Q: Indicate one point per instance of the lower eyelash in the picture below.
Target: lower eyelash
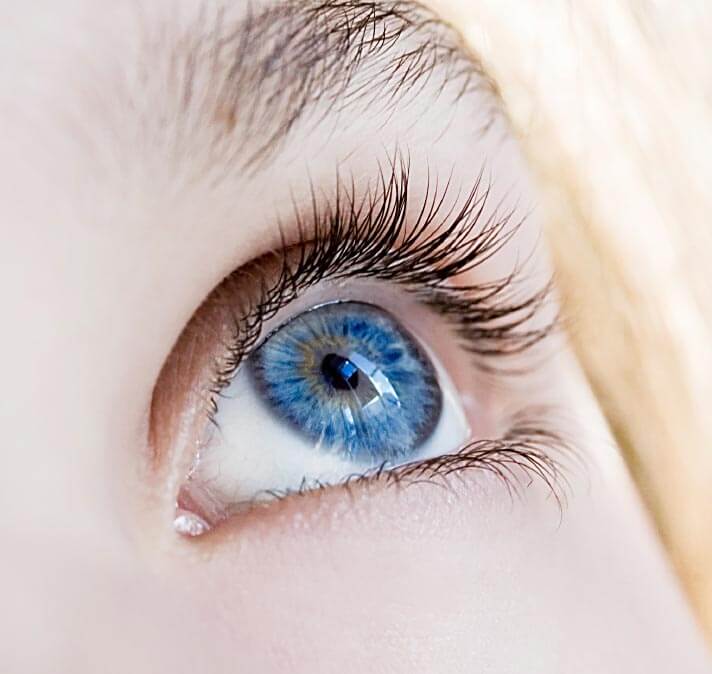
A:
(528, 452)
(524, 455)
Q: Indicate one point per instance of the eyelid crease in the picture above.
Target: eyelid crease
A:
(371, 238)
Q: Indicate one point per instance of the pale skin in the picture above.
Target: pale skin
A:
(114, 232)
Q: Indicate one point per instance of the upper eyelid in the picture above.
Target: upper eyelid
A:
(372, 237)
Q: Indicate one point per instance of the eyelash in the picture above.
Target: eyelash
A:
(372, 238)
(527, 452)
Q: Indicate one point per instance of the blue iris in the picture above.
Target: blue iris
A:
(352, 381)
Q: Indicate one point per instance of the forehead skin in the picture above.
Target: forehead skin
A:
(97, 198)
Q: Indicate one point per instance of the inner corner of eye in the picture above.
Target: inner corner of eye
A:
(342, 389)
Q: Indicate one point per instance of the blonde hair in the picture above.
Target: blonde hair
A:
(612, 101)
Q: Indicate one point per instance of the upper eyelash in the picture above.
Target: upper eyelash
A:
(371, 237)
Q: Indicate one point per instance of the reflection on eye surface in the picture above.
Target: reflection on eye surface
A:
(347, 377)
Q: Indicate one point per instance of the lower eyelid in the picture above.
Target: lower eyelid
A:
(483, 474)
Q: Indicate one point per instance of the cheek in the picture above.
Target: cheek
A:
(433, 580)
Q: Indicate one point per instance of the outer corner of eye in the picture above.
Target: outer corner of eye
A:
(341, 389)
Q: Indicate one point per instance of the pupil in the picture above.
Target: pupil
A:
(339, 372)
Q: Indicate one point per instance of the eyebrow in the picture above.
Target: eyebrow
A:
(303, 63)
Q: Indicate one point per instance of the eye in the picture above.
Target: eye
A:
(336, 391)
(351, 381)
(366, 348)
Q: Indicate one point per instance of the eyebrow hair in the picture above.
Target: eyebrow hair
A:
(299, 62)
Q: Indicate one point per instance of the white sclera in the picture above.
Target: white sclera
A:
(252, 455)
